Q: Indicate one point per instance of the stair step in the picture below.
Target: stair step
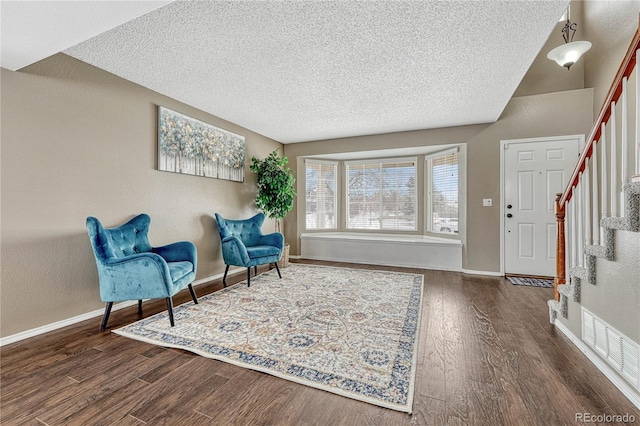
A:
(597, 251)
(571, 290)
(578, 272)
(557, 307)
(631, 222)
(554, 308)
(617, 223)
(587, 273)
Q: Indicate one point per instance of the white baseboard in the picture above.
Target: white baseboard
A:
(489, 273)
(601, 365)
(93, 314)
(60, 324)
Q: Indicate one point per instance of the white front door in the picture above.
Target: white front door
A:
(534, 171)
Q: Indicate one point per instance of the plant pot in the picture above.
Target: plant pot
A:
(284, 260)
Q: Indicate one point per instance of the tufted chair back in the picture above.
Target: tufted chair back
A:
(130, 238)
(247, 230)
(129, 268)
(244, 244)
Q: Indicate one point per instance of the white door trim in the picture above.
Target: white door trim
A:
(502, 183)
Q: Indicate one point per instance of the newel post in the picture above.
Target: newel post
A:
(560, 248)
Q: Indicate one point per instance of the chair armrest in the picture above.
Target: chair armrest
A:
(234, 252)
(178, 252)
(275, 239)
(139, 276)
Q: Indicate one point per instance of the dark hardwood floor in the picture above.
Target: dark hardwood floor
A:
(487, 356)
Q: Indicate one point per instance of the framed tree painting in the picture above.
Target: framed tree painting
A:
(190, 146)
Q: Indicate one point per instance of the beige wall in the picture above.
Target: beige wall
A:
(78, 141)
(545, 75)
(616, 296)
(553, 114)
(609, 26)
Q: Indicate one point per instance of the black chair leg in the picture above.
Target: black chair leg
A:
(249, 276)
(105, 317)
(278, 269)
(140, 307)
(224, 279)
(255, 270)
(193, 294)
(170, 309)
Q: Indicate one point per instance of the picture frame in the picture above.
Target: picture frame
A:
(190, 146)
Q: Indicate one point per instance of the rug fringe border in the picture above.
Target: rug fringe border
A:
(416, 343)
(301, 381)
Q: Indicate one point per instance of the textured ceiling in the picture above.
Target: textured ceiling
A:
(299, 71)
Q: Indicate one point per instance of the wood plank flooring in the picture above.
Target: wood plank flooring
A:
(487, 356)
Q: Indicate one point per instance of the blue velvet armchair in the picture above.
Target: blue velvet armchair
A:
(129, 268)
(244, 244)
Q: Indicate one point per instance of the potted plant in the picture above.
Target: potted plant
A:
(276, 189)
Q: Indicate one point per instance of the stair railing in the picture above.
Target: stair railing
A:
(595, 188)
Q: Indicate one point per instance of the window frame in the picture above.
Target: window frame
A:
(381, 162)
(336, 196)
(428, 189)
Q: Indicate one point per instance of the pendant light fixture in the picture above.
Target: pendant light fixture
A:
(568, 54)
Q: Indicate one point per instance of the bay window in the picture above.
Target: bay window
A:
(321, 203)
(442, 192)
(381, 194)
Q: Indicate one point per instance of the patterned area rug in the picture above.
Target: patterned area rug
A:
(352, 332)
(533, 282)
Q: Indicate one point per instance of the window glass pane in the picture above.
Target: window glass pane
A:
(381, 195)
(443, 196)
(321, 195)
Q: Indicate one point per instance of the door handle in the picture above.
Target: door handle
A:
(509, 215)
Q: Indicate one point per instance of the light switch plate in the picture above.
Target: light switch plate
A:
(487, 202)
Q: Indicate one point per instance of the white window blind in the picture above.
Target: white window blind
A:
(321, 194)
(381, 194)
(442, 186)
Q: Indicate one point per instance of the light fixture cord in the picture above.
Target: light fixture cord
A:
(569, 29)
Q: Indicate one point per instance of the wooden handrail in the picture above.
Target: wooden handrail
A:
(615, 91)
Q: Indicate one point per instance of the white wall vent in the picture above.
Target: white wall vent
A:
(622, 353)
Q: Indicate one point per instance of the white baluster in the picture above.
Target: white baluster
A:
(587, 204)
(574, 234)
(603, 175)
(624, 175)
(614, 163)
(567, 240)
(637, 170)
(594, 191)
(580, 221)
